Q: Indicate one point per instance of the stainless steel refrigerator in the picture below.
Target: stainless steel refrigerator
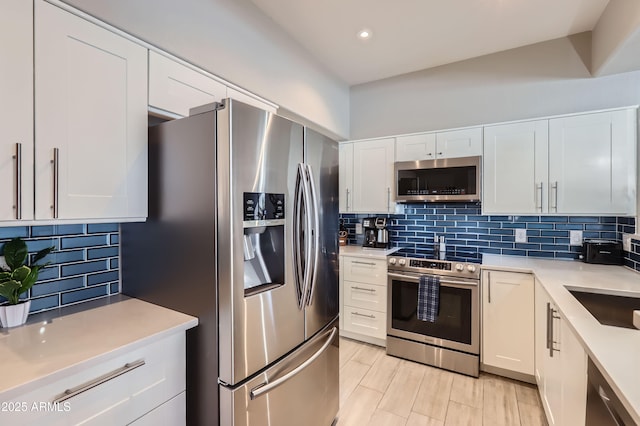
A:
(242, 233)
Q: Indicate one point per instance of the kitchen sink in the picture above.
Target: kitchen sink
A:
(609, 309)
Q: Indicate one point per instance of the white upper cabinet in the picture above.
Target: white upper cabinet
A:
(345, 177)
(515, 168)
(16, 110)
(430, 146)
(176, 88)
(416, 147)
(90, 120)
(592, 167)
(459, 143)
(366, 176)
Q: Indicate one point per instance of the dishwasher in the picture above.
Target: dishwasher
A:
(603, 406)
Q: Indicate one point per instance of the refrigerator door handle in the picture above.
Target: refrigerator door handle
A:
(306, 230)
(266, 387)
(298, 262)
(315, 231)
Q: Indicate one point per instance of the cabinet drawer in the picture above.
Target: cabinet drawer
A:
(365, 321)
(173, 412)
(363, 295)
(363, 270)
(104, 397)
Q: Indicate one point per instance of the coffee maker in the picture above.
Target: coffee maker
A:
(376, 234)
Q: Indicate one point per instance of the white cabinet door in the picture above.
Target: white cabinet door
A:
(459, 143)
(540, 306)
(416, 147)
(574, 378)
(515, 168)
(508, 321)
(373, 176)
(91, 115)
(16, 109)
(176, 88)
(592, 163)
(345, 177)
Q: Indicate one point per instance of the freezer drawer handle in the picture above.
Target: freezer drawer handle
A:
(267, 387)
(70, 393)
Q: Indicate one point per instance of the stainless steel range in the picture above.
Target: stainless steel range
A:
(451, 342)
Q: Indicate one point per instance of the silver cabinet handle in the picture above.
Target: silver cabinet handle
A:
(538, 199)
(362, 315)
(363, 263)
(552, 316)
(347, 199)
(70, 393)
(18, 157)
(372, 290)
(548, 325)
(266, 387)
(553, 186)
(489, 285)
(56, 181)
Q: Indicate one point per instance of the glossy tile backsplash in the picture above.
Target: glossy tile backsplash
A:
(85, 264)
(468, 233)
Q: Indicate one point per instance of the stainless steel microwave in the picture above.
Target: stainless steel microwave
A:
(445, 179)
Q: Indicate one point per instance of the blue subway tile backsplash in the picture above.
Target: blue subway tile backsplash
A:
(83, 266)
(469, 234)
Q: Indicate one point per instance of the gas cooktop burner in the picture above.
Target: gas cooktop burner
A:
(433, 266)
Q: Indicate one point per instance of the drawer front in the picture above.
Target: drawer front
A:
(119, 399)
(363, 270)
(365, 321)
(362, 295)
(173, 412)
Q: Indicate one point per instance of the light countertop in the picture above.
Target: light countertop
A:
(359, 251)
(37, 354)
(614, 350)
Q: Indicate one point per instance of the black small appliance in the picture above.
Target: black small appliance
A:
(605, 252)
(376, 234)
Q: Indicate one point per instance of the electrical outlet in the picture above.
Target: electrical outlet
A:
(521, 235)
(626, 241)
(358, 228)
(575, 238)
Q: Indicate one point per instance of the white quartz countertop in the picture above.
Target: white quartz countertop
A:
(359, 251)
(37, 354)
(614, 350)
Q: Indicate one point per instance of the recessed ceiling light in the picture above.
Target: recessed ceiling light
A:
(364, 34)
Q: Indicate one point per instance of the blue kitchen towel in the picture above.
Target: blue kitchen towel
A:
(428, 298)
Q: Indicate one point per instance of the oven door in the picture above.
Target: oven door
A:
(457, 325)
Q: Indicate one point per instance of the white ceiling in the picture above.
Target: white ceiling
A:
(411, 35)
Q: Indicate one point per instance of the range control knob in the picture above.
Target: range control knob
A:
(402, 262)
(392, 261)
(459, 267)
(471, 268)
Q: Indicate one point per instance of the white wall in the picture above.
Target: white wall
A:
(616, 38)
(236, 41)
(539, 80)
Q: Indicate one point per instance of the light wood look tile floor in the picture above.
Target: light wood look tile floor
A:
(380, 390)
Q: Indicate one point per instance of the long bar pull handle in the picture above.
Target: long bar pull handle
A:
(489, 285)
(538, 198)
(18, 158)
(70, 393)
(363, 263)
(56, 181)
(372, 290)
(266, 387)
(315, 231)
(347, 190)
(362, 315)
(553, 186)
(552, 316)
(548, 325)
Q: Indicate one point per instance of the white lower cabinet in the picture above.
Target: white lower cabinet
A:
(116, 391)
(508, 323)
(363, 292)
(561, 365)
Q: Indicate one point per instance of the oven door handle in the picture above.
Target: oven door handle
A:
(443, 281)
